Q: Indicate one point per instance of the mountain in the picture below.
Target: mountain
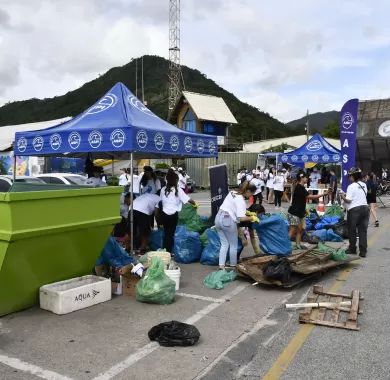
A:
(252, 123)
(317, 122)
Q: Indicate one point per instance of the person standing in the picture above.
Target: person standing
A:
(172, 198)
(124, 180)
(239, 176)
(332, 187)
(149, 182)
(372, 188)
(358, 212)
(232, 211)
(270, 186)
(297, 210)
(315, 177)
(278, 188)
(96, 180)
(258, 194)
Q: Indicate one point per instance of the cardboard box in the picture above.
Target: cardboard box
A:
(129, 282)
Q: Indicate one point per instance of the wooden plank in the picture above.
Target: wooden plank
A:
(335, 313)
(330, 324)
(306, 312)
(335, 294)
(322, 310)
(353, 314)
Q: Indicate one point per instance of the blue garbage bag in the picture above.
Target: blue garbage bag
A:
(156, 239)
(273, 235)
(326, 222)
(114, 255)
(309, 225)
(187, 248)
(327, 235)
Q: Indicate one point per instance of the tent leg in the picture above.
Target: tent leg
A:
(14, 170)
(131, 206)
(112, 166)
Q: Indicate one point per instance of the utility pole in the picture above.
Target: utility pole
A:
(174, 74)
(307, 125)
(136, 78)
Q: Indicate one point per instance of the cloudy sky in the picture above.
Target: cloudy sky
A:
(281, 56)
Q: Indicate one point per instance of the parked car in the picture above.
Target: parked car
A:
(62, 178)
(7, 180)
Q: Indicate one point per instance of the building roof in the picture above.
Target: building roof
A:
(293, 141)
(208, 107)
(7, 132)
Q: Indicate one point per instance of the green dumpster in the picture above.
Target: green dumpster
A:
(49, 236)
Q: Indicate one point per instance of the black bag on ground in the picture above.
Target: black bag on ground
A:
(279, 269)
(341, 229)
(174, 333)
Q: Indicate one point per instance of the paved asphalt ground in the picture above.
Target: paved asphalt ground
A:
(246, 332)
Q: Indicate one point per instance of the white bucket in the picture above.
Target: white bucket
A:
(174, 274)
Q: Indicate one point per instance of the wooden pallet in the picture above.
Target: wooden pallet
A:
(341, 317)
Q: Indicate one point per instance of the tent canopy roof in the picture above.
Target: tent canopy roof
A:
(116, 125)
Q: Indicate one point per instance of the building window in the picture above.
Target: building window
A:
(214, 129)
(209, 128)
(189, 121)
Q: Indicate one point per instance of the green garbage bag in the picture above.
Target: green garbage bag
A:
(155, 286)
(334, 210)
(189, 217)
(335, 254)
(217, 279)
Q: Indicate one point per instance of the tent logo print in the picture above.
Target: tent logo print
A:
(136, 103)
(211, 147)
(347, 120)
(117, 138)
(95, 139)
(336, 157)
(314, 158)
(174, 141)
(55, 141)
(142, 139)
(105, 103)
(284, 158)
(38, 143)
(313, 146)
(305, 158)
(200, 146)
(22, 144)
(159, 141)
(74, 140)
(325, 158)
(294, 158)
(188, 144)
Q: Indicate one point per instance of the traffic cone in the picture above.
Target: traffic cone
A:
(321, 207)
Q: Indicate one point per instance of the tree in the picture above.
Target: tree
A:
(332, 130)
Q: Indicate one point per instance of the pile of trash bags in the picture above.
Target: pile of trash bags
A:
(114, 255)
(188, 216)
(156, 286)
(187, 248)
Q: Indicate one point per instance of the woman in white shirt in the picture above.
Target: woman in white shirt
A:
(172, 200)
(149, 183)
(278, 188)
(358, 212)
(270, 186)
(232, 212)
(258, 194)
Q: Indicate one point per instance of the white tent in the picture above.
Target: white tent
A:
(7, 132)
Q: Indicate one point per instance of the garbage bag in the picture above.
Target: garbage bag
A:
(174, 333)
(204, 238)
(327, 235)
(334, 210)
(187, 248)
(189, 217)
(273, 235)
(156, 239)
(155, 286)
(327, 222)
(336, 254)
(313, 215)
(114, 255)
(218, 279)
(309, 238)
(308, 224)
(279, 269)
(341, 229)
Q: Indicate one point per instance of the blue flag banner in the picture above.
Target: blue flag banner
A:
(348, 126)
(117, 122)
(219, 187)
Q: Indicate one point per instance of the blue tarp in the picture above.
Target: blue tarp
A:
(317, 149)
(117, 123)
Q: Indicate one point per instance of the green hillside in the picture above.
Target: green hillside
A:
(253, 125)
(317, 122)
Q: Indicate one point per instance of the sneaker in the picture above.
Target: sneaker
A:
(350, 252)
(376, 224)
(362, 254)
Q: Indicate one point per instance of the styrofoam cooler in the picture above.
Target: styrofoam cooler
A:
(77, 293)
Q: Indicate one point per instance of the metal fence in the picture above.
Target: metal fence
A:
(197, 168)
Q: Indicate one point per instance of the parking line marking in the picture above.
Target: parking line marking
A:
(150, 347)
(30, 368)
(282, 362)
(202, 298)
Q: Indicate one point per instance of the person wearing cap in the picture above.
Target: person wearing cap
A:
(297, 210)
(182, 179)
(96, 180)
(278, 188)
(358, 213)
(258, 194)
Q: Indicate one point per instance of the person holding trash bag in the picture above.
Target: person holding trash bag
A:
(358, 212)
(297, 210)
(232, 211)
(172, 198)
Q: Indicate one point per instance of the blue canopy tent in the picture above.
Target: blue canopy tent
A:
(316, 150)
(116, 126)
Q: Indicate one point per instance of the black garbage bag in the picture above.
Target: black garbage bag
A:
(341, 229)
(309, 238)
(174, 333)
(279, 269)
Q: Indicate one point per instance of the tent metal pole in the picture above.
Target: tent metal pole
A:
(112, 166)
(131, 205)
(14, 170)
